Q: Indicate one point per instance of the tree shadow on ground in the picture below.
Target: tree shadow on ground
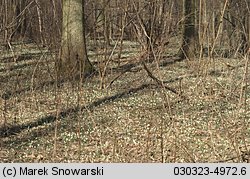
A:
(15, 129)
(120, 70)
(7, 131)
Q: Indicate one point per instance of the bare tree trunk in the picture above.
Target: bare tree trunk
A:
(190, 34)
(106, 23)
(245, 39)
(21, 18)
(74, 59)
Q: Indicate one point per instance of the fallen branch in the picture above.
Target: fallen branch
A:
(159, 82)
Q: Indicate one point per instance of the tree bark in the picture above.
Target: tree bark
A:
(22, 21)
(190, 34)
(74, 59)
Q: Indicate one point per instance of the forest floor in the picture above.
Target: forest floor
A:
(126, 116)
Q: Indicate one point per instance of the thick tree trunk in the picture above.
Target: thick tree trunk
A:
(245, 39)
(22, 21)
(190, 34)
(74, 59)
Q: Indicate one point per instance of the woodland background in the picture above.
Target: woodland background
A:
(172, 107)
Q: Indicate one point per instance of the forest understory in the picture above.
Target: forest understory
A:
(182, 111)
